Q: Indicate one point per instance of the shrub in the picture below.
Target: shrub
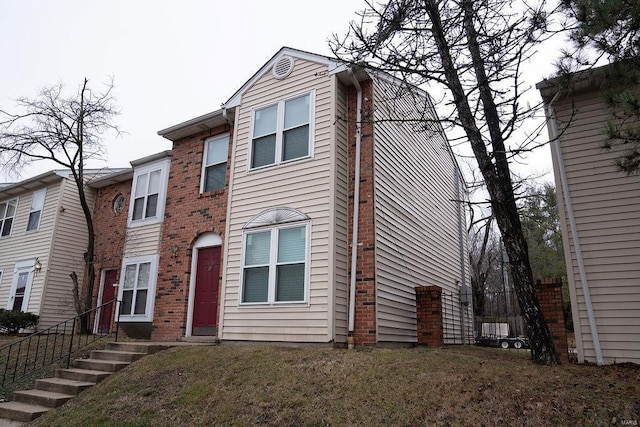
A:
(12, 321)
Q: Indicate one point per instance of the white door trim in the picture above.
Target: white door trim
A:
(205, 241)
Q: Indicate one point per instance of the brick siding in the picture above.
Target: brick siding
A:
(550, 297)
(429, 316)
(188, 215)
(364, 333)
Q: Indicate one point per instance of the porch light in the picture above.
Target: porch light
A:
(37, 267)
(174, 251)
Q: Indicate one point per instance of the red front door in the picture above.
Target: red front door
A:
(205, 302)
(108, 295)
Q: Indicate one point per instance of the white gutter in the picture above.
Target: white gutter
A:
(356, 203)
(555, 143)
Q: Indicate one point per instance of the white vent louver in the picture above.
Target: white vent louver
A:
(283, 67)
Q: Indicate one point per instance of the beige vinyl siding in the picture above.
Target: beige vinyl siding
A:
(142, 240)
(417, 235)
(607, 212)
(341, 195)
(303, 185)
(23, 245)
(68, 246)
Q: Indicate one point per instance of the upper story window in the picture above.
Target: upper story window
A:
(146, 195)
(214, 164)
(149, 193)
(7, 213)
(282, 132)
(35, 213)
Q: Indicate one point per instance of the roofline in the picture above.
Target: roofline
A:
(117, 176)
(572, 82)
(151, 158)
(226, 114)
(332, 64)
(42, 180)
(198, 124)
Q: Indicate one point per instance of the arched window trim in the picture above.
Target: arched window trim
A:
(275, 216)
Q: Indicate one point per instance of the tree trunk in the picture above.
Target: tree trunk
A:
(497, 176)
(90, 273)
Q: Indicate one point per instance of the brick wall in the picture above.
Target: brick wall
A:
(188, 215)
(110, 231)
(110, 228)
(550, 297)
(364, 333)
(429, 316)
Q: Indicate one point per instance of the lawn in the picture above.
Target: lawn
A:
(249, 385)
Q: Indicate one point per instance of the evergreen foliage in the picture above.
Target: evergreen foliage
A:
(12, 321)
(610, 30)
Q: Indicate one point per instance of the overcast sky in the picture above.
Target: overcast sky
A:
(171, 60)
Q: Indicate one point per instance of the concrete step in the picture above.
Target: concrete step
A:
(99, 365)
(116, 355)
(49, 399)
(53, 392)
(88, 375)
(63, 385)
(20, 411)
(136, 347)
(6, 422)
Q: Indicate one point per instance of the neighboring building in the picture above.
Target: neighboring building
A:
(43, 239)
(251, 237)
(599, 210)
(128, 214)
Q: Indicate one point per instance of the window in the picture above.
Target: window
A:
(282, 132)
(148, 194)
(137, 289)
(275, 265)
(118, 203)
(21, 286)
(37, 203)
(7, 213)
(145, 202)
(214, 166)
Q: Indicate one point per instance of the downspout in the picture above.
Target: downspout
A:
(555, 143)
(356, 200)
(463, 270)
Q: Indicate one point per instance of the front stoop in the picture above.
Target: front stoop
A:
(49, 393)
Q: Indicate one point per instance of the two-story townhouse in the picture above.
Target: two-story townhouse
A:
(43, 239)
(267, 196)
(129, 212)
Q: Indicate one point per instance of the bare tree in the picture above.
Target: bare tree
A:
(473, 53)
(67, 131)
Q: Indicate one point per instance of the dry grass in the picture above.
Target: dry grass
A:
(248, 385)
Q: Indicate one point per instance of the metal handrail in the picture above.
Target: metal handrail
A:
(58, 342)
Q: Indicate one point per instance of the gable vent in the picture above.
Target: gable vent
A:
(283, 67)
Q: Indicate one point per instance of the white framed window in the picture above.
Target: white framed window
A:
(137, 288)
(275, 265)
(148, 194)
(214, 163)
(7, 214)
(21, 285)
(282, 132)
(35, 213)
